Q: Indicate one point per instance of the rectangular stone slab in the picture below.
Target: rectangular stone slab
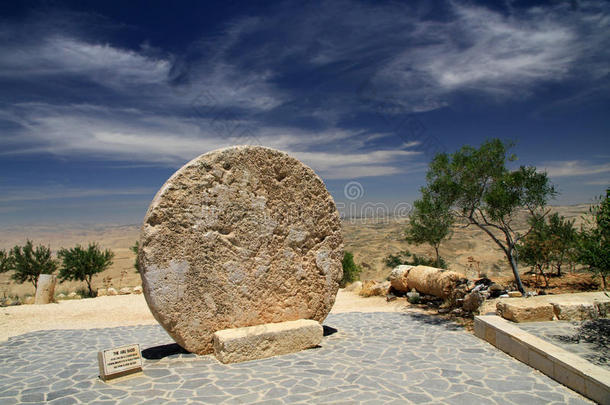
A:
(271, 339)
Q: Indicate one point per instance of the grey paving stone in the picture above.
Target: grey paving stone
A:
(35, 397)
(372, 359)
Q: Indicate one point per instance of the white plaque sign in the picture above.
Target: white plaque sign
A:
(119, 361)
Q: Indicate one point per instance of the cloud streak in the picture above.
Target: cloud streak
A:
(573, 168)
(301, 91)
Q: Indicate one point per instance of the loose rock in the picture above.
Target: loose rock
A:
(398, 277)
(372, 288)
(354, 287)
(473, 301)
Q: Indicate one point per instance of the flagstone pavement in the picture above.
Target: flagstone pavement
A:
(368, 358)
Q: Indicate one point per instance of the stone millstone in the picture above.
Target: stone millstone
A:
(239, 237)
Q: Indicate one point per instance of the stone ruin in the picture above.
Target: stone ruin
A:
(239, 237)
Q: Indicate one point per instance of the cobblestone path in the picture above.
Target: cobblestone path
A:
(372, 358)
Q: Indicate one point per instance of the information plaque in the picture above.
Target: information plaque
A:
(119, 361)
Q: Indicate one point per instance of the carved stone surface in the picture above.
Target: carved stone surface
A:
(45, 289)
(261, 341)
(239, 237)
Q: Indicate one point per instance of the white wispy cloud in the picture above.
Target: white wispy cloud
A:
(101, 62)
(344, 57)
(571, 168)
(43, 193)
(135, 136)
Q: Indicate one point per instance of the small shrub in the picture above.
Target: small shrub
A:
(85, 293)
(135, 248)
(351, 272)
(414, 299)
(413, 259)
(82, 264)
(28, 263)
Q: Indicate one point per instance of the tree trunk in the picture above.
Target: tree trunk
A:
(89, 285)
(438, 258)
(544, 277)
(513, 264)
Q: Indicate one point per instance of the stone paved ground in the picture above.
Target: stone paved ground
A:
(561, 333)
(373, 358)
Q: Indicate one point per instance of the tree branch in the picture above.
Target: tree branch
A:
(491, 235)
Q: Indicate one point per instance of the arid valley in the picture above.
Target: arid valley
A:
(371, 241)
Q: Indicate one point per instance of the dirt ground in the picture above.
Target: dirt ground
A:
(125, 310)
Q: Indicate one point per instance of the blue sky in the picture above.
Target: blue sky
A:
(100, 102)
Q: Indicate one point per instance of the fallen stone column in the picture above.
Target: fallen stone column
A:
(432, 281)
(398, 277)
(262, 341)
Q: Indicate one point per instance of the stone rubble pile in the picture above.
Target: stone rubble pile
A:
(101, 292)
(446, 290)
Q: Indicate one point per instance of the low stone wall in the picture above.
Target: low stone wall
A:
(564, 307)
(567, 368)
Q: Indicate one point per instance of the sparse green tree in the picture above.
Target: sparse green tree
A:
(82, 264)
(351, 271)
(430, 223)
(413, 259)
(536, 249)
(28, 263)
(482, 191)
(562, 236)
(135, 249)
(593, 248)
(548, 244)
(5, 261)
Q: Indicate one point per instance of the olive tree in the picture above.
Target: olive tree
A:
(28, 263)
(5, 261)
(135, 248)
(82, 264)
(430, 223)
(593, 248)
(351, 271)
(483, 192)
(549, 244)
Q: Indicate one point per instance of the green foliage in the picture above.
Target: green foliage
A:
(593, 248)
(406, 257)
(29, 263)
(414, 299)
(135, 249)
(430, 223)
(548, 244)
(351, 272)
(483, 192)
(5, 261)
(82, 264)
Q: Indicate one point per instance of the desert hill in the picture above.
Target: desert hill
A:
(370, 241)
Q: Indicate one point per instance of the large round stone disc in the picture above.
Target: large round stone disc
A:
(239, 237)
